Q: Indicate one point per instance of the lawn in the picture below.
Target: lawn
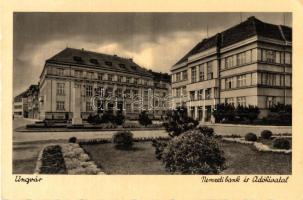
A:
(140, 160)
(244, 159)
(241, 159)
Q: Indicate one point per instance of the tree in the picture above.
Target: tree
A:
(144, 118)
(178, 121)
(224, 111)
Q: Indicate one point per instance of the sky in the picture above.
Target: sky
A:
(154, 40)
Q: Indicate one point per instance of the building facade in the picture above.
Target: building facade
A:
(104, 83)
(248, 64)
(26, 104)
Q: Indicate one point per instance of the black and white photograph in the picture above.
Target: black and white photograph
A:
(152, 93)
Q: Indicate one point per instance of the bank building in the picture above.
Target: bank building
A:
(73, 77)
(247, 64)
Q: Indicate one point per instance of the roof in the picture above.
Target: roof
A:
(97, 60)
(26, 93)
(250, 27)
(158, 76)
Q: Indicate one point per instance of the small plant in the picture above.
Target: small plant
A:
(72, 140)
(266, 134)
(281, 143)
(123, 139)
(251, 137)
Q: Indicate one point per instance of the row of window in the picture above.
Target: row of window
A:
(260, 78)
(204, 69)
(181, 76)
(101, 76)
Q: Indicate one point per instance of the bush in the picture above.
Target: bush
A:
(193, 153)
(72, 140)
(119, 118)
(251, 137)
(209, 132)
(281, 143)
(266, 134)
(144, 119)
(178, 121)
(123, 139)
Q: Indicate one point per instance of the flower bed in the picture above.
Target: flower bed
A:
(50, 161)
(104, 141)
(77, 161)
(258, 145)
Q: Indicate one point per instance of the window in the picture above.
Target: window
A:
(184, 75)
(241, 58)
(278, 57)
(241, 101)
(100, 76)
(136, 81)
(122, 65)
(108, 63)
(127, 79)
(270, 56)
(60, 89)
(145, 95)
(94, 61)
(90, 75)
(178, 76)
(228, 83)
(109, 77)
(200, 94)
(119, 92)
(229, 62)
(210, 70)
(193, 75)
(120, 78)
(78, 59)
(230, 101)
(201, 72)
(78, 73)
(60, 72)
(192, 95)
(89, 90)
(178, 92)
(60, 106)
(89, 106)
(287, 58)
(183, 91)
(248, 56)
(208, 93)
(241, 80)
(145, 82)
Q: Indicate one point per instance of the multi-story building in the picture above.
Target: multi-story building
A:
(26, 104)
(104, 83)
(248, 64)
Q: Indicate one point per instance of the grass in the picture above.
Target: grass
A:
(139, 160)
(241, 159)
(244, 159)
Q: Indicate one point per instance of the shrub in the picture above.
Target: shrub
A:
(193, 153)
(209, 132)
(266, 134)
(72, 140)
(281, 143)
(123, 139)
(144, 119)
(178, 121)
(251, 137)
(119, 118)
(52, 161)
